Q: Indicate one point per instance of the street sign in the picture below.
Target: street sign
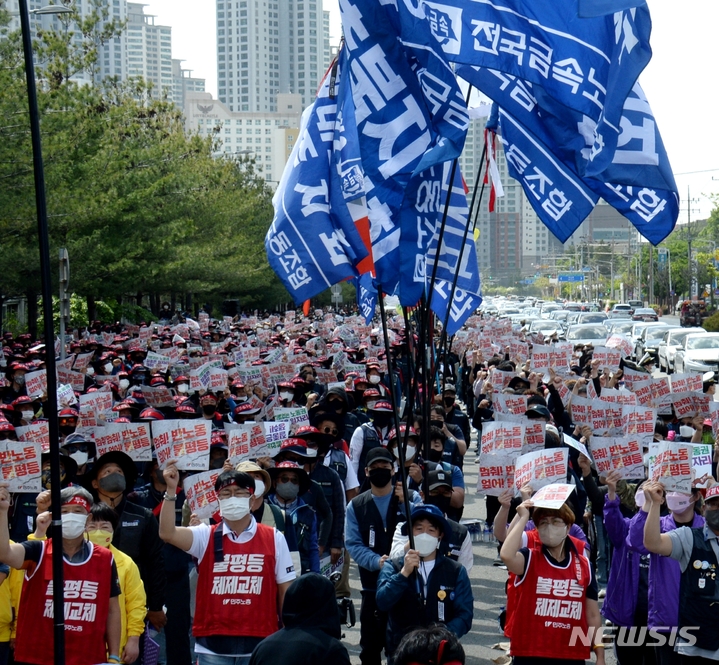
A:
(336, 290)
(571, 278)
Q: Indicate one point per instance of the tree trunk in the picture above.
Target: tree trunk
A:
(188, 302)
(154, 303)
(91, 310)
(32, 315)
(172, 301)
(138, 298)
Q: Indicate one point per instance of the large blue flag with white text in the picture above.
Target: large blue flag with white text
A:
(463, 305)
(313, 242)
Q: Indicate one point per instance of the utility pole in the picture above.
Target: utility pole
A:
(611, 264)
(689, 245)
(651, 274)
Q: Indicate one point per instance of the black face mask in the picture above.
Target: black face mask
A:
(380, 477)
(209, 410)
(67, 429)
(382, 419)
(442, 502)
(217, 463)
(113, 482)
(435, 455)
(448, 402)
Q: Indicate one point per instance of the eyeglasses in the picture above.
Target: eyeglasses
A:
(330, 430)
(553, 521)
(288, 479)
(229, 494)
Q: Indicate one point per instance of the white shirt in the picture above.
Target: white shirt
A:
(357, 443)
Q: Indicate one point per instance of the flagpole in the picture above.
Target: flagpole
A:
(443, 339)
(395, 414)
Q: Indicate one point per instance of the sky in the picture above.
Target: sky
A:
(680, 81)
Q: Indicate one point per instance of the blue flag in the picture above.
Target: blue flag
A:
(588, 65)
(313, 242)
(403, 129)
(366, 296)
(464, 304)
(591, 8)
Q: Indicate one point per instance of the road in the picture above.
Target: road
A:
(487, 586)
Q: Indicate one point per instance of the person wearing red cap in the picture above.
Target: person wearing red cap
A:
(697, 551)
(370, 435)
(244, 571)
(92, 610)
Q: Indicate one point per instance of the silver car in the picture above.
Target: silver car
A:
(668, 347)
(699, 353)
(586, 334)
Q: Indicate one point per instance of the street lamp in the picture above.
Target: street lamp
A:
(52, 9)
(50, 409)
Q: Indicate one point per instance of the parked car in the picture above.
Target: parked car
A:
(624, 308)
(667, 349)
(645, 314)
(648, 341)
(635, 335)
(591, 317)
(584, 335)
(699, 353)
(547, 327)
(619, 326)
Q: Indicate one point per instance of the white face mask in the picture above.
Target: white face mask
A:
(107, 367)
(370, 405)
(124, 383)
(425, 544)
(678, 502)
(374, 379)
(639, 498)
(28, 415)
(73, 525)
(286, 396)
(234, 508)
(410, 452)
(259, 488)
(551, 535)
(90, 371)
(80, 457)
(182, 388)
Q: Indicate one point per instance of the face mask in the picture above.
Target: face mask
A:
(107, 367)
(217, 463)
(286, 396)
(711, 517)
(442, 502)
(113, 482)
(425, 544)
(639, 498)
(259, 488)
(235, 508)
(182, 388)
(28, 415)
(410, 453)
(67, 429)
(435, 455)
(288, 491)
(371, 404)
(209, 410)
(80, 457)
(382, 419)
(73, 525)
(373, 379)
(380, 477)
(20, 379)
(100, 537)
(90, 371)
(124, 384)
(678, 502)
(551, 535)
(448, 401)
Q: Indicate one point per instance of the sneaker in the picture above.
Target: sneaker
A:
(498, 562)
(602, 593)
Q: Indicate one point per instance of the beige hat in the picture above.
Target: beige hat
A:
(251, 467)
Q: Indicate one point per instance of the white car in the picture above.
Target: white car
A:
(673, 339)
(699, 353)
(586, 335)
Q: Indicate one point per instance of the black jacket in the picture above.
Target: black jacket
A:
(312, 627)
(331, 484)
(138, 536)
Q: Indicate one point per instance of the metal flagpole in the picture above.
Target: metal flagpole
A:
(443, 338)
(50, 408)
(395, 413)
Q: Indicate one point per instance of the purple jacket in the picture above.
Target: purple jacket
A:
(664, 573)
(620, 603)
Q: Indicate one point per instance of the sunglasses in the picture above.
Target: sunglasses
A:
(330, 430)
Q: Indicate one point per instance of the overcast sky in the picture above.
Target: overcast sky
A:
(680, 81)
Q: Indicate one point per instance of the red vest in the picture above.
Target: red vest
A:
(549, 605)
(236, 587)
(87, 599)
(532, 538)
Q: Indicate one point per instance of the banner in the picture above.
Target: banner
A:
(296, 416)
(186, 441)
(552, 496)
(157, 361)
(507, 438)
(21, 466)
(36, 432)
(496, 473)
(200, 494)
(541, 468)
(36, 383)
(622, 454)
(672, 466)
(275, 434)
(131, 438)
(158, 396)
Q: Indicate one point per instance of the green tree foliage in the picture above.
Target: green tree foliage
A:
(142, 207)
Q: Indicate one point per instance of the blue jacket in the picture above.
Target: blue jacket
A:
(664, 573)
(620, 603)
(304, 521)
